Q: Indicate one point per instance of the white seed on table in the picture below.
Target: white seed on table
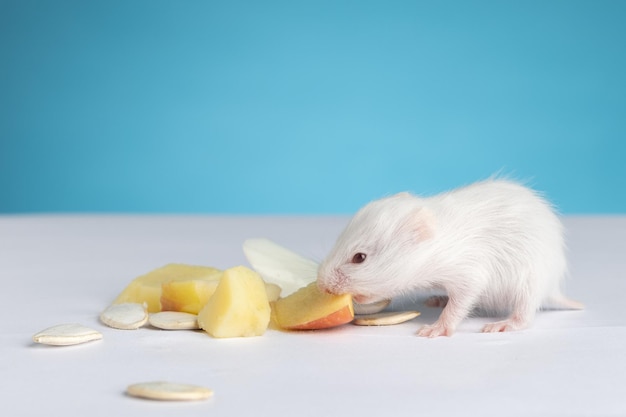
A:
(385, 318)
(174, 320)
(169, 391)
(125, 316)
(66, 335)
(372, 307)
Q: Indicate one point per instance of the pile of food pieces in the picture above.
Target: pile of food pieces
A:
(278, 292)
(232, 303)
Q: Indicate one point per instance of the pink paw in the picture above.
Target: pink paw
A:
(435, 330)
(503, 326)
(436, 301)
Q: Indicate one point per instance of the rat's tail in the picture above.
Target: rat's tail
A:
(560, 302)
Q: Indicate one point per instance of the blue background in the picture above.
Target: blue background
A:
(307, 106)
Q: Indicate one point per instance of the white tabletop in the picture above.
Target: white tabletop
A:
(64, 269)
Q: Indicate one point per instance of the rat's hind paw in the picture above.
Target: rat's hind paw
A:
(508, 325)
(435, 330)
(436, 301)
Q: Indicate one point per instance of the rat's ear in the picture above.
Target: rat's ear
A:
(422, 223)
(403, 194)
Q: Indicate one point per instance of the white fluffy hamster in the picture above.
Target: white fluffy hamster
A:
(495, 245)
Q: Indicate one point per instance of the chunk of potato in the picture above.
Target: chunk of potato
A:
(147, 288)
(187, 296)
(239, 307)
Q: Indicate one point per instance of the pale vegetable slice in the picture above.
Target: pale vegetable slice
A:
(174, 320)
(309, 309)
(125, 316)
(279, 265)
(371, 308)
(66, 335)
(147, 288)
(239, 307)
(385, 318)
(169, 391)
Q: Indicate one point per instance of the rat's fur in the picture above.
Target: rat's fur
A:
(494, 245)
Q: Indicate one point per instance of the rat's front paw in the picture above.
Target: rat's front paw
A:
(435, 330)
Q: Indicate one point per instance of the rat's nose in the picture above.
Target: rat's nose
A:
(332, 282)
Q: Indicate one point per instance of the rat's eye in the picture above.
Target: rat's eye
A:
(358, 258)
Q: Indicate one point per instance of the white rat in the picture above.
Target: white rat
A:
(495, 245)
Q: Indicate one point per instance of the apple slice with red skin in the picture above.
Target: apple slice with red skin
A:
(343, 316)
(311, 309)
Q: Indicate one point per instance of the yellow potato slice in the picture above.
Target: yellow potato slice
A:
(187, 296)
(147, 288)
